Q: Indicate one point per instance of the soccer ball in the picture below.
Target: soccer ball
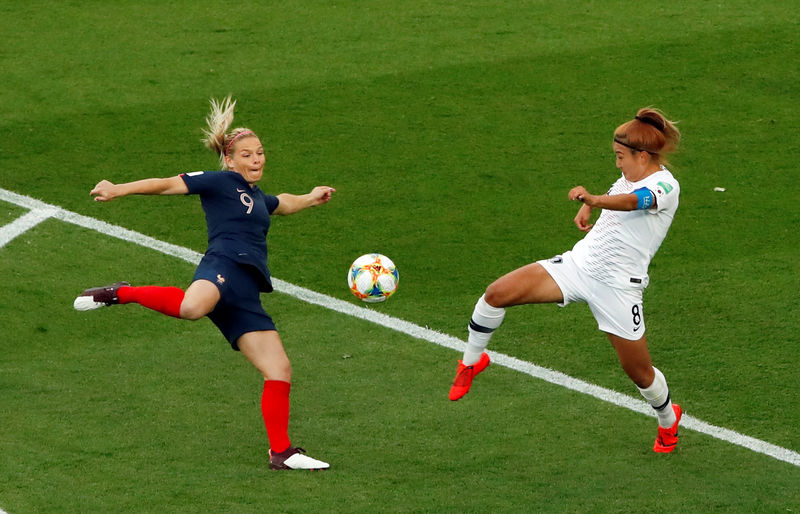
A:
(373, 277)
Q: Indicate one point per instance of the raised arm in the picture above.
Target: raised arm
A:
(623, 202)
(105, 191)
(290, 204)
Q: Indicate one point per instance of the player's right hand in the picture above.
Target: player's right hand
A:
(582, 219)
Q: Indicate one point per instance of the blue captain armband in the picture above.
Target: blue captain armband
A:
(646, 198)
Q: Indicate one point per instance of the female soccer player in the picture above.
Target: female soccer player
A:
(228, 281)
(607, 269)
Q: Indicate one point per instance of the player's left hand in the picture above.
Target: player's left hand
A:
(103, 191)
(580, 194)
(321, 195)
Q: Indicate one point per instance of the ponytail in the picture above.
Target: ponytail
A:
(218, 122)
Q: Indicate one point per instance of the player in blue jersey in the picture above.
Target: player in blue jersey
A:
(607, 269)
(233, 272)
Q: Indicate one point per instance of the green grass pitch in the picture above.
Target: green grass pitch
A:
(452, 132)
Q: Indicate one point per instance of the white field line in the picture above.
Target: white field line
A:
(23, 224)
(399, 325)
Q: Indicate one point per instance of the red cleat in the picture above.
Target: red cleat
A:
(667, 438)
(465, 374)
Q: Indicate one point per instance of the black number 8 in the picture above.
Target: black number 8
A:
(637, 315)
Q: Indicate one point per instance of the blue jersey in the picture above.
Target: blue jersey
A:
(237, 216)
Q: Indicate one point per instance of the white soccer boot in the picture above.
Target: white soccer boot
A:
(295, 458)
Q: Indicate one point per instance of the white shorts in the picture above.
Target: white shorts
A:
(617, 311)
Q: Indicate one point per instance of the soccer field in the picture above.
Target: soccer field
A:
(452, 132)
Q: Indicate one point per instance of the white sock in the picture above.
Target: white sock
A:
(657, 394)
(485, 319)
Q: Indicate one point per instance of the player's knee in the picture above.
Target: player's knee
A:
(192, 311)
(495, 295)
(285, 371)
(641, 375)
(279, 370)
(200, 299)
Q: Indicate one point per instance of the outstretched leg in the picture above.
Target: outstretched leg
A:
(529, 284)
(199, 299)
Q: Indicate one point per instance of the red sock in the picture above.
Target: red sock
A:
(275, 409)
(166, 300)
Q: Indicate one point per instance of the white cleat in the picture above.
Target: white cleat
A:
(87, 303)
(295, 458)
(97, 297)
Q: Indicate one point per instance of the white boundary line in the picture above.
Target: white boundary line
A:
(41, 211)
(22, 225)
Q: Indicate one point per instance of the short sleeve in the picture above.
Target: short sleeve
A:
(198, 182)
(666, 193)
(271, 202)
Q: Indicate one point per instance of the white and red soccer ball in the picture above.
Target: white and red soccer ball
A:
(373, 278)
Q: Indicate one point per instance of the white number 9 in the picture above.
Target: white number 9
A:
(247, 201)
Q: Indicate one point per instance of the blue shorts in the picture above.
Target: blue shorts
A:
(239, 309)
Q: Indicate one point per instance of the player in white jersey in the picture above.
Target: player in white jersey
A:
(619, 248)
(607, 269)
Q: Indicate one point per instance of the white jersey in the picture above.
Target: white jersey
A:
(618, 249)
